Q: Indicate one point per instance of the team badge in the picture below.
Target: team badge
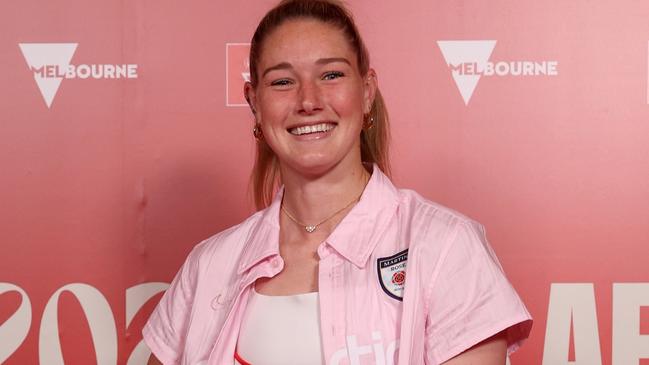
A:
(392, 274)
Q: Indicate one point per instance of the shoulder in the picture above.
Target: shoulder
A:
(439, 235)
(227, 244)
(422, 214)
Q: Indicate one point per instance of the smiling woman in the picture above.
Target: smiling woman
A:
(310, 100)
(338, 266)
(348, 50)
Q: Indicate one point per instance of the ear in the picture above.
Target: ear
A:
(370, 85)
(251, 97)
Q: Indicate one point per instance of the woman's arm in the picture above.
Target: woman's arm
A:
(492, 351)
(154, 360)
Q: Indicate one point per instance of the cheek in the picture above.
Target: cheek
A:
(348, 102)
(274, 110)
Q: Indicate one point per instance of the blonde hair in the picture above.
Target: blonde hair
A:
(265, 176)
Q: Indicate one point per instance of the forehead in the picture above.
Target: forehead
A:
(305, 40)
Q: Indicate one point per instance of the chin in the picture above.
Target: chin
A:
(313, 167)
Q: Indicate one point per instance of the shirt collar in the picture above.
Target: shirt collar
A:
(263, 240)
(354, 237)
(358, 233)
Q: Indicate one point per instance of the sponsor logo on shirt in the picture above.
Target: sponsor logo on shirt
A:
(392, 273)
(356, 354)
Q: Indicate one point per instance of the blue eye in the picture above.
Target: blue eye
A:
(332, 75)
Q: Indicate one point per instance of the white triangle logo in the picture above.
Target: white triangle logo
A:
(38, 55)
(457, 53)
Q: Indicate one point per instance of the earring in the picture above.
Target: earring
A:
(368, 122)
(257, 132)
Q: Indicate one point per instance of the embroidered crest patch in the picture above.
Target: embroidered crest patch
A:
(392, 273)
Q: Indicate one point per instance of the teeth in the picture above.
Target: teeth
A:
(322, 127)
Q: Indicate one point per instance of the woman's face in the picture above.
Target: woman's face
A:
(310, 98)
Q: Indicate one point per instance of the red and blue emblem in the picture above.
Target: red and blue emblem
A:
(392, 274)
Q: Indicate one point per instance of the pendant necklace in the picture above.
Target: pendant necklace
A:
(312, 228)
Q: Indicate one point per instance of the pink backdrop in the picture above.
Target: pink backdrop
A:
(109, 179)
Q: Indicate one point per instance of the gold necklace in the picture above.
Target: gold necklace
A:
(312, 228)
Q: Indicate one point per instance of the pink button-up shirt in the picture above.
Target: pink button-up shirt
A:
(401, 280)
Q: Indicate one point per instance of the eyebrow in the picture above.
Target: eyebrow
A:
(321, 61)
(324, 61)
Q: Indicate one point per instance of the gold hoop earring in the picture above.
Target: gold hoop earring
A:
(257, 132)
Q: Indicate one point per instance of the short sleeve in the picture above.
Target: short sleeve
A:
(166, 329)
(470, 299)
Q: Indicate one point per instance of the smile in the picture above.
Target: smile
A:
(309, 129)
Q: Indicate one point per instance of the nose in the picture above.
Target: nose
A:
(310, 98)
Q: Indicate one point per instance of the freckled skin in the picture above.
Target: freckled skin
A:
(309, 91)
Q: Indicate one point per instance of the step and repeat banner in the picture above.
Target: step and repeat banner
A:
(125, 140)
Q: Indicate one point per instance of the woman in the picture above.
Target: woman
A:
(319, 275)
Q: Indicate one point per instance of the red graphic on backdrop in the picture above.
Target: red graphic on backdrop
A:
(237, 72)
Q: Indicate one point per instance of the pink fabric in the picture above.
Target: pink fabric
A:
(455, 295)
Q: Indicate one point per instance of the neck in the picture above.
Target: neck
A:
(312, 199)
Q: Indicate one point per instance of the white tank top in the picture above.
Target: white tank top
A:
(280, 330)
